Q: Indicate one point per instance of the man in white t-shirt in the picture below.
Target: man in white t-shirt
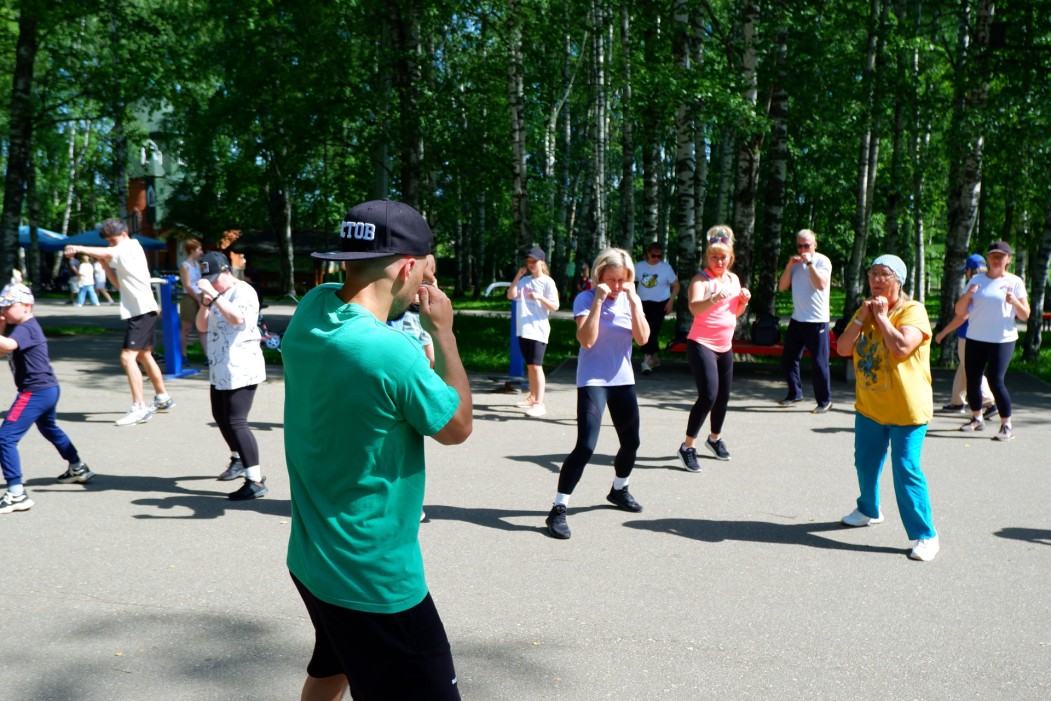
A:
(658, 288)
(809, 274)
(125, 264)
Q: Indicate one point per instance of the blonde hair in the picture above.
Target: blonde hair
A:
(544, 270)
(727, 246)
(612, 258)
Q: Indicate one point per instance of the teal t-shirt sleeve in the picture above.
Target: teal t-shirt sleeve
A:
(427, 402)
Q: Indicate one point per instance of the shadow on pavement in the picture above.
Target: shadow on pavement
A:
(1040, 536)
(757, 532)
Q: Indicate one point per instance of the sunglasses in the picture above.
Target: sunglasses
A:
(803, 246)
(719, 238)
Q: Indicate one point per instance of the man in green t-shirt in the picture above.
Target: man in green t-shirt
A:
(359, 398)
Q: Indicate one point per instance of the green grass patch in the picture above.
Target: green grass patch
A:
(62, 331)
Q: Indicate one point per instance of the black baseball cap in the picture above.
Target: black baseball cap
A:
(212, 264)
(999, 247)
(381, 228)
(536, 253)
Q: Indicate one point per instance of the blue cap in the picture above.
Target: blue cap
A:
(974, 262)
(896, 265)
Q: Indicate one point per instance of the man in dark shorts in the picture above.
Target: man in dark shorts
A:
(125, 264)
(359, 398)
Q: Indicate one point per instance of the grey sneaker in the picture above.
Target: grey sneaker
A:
(718, 448)
(76, 472)
(822, 408)
(557, 526)
(161, 402)
(10, 503)
(688, 456)
(975, 424)
(249, 490)
(234, 470)
(1005, 433)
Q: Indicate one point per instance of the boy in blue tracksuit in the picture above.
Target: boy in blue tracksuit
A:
(22, 338)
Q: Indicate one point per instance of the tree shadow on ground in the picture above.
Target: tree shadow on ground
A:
(201, 503)
(758, 532)
(1040, 536)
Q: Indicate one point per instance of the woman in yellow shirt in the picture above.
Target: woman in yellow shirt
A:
(889, 338)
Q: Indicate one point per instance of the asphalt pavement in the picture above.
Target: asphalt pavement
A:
(734, 583)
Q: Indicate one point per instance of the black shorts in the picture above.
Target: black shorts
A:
(384, 656)
(532, 351)
(140, 334)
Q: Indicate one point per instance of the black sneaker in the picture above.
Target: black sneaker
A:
(689, 459)
(718, 449)
(77, 472)
(234, 470)
(789, 401)
(954, 408)
(989, 411)
(249, 490)
(557, 526)
(622, 499)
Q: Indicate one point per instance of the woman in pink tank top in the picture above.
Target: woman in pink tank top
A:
(716, 299)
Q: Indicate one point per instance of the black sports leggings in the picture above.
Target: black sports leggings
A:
(230, 409)
(713, 374)
(995, 356)
(591, 403)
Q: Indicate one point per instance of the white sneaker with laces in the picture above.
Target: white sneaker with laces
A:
(1005, 433)
(925, 549)
(856, 519)
(136, 415)
(161, 402)
(536, 411)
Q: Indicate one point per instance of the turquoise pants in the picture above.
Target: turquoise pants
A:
(871, 440)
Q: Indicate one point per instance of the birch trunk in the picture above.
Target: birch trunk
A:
(1037, 291)
(684, 159)
(748, 153)
(627, 139)
(516, 104)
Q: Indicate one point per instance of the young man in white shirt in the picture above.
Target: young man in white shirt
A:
(125, 264)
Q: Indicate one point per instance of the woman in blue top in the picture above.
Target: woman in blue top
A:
(608, 318)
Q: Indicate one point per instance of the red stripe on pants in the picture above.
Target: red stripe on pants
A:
(18, 406)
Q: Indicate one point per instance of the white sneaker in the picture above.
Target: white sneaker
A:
(646, 367)
(161, 402)
(135, 415)
(536, 411)
(856, 519)
(925, 549)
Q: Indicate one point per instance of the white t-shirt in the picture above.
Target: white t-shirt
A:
(128, 262)
(653, 282)
(235, 358)
(86, 274)
(810, 304)
(991, 319)
(532, 319)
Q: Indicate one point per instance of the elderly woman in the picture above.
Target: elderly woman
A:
(993, 299)
(609, 317)
(889, 338)
(716, 299)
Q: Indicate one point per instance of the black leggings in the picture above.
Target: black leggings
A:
(654, 313)
(230, 409)
(591, 403)
(995, 356)
(713, 373)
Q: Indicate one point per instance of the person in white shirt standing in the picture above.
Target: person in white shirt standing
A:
(126, 267)
(809, 274)
(537, 296)
(658, 288)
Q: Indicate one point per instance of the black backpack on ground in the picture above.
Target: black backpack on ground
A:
(766, 330)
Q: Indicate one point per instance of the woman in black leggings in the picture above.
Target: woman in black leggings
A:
(229, 313)
(608, 318)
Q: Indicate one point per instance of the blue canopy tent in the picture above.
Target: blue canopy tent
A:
(48, 240)
(94, 238)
